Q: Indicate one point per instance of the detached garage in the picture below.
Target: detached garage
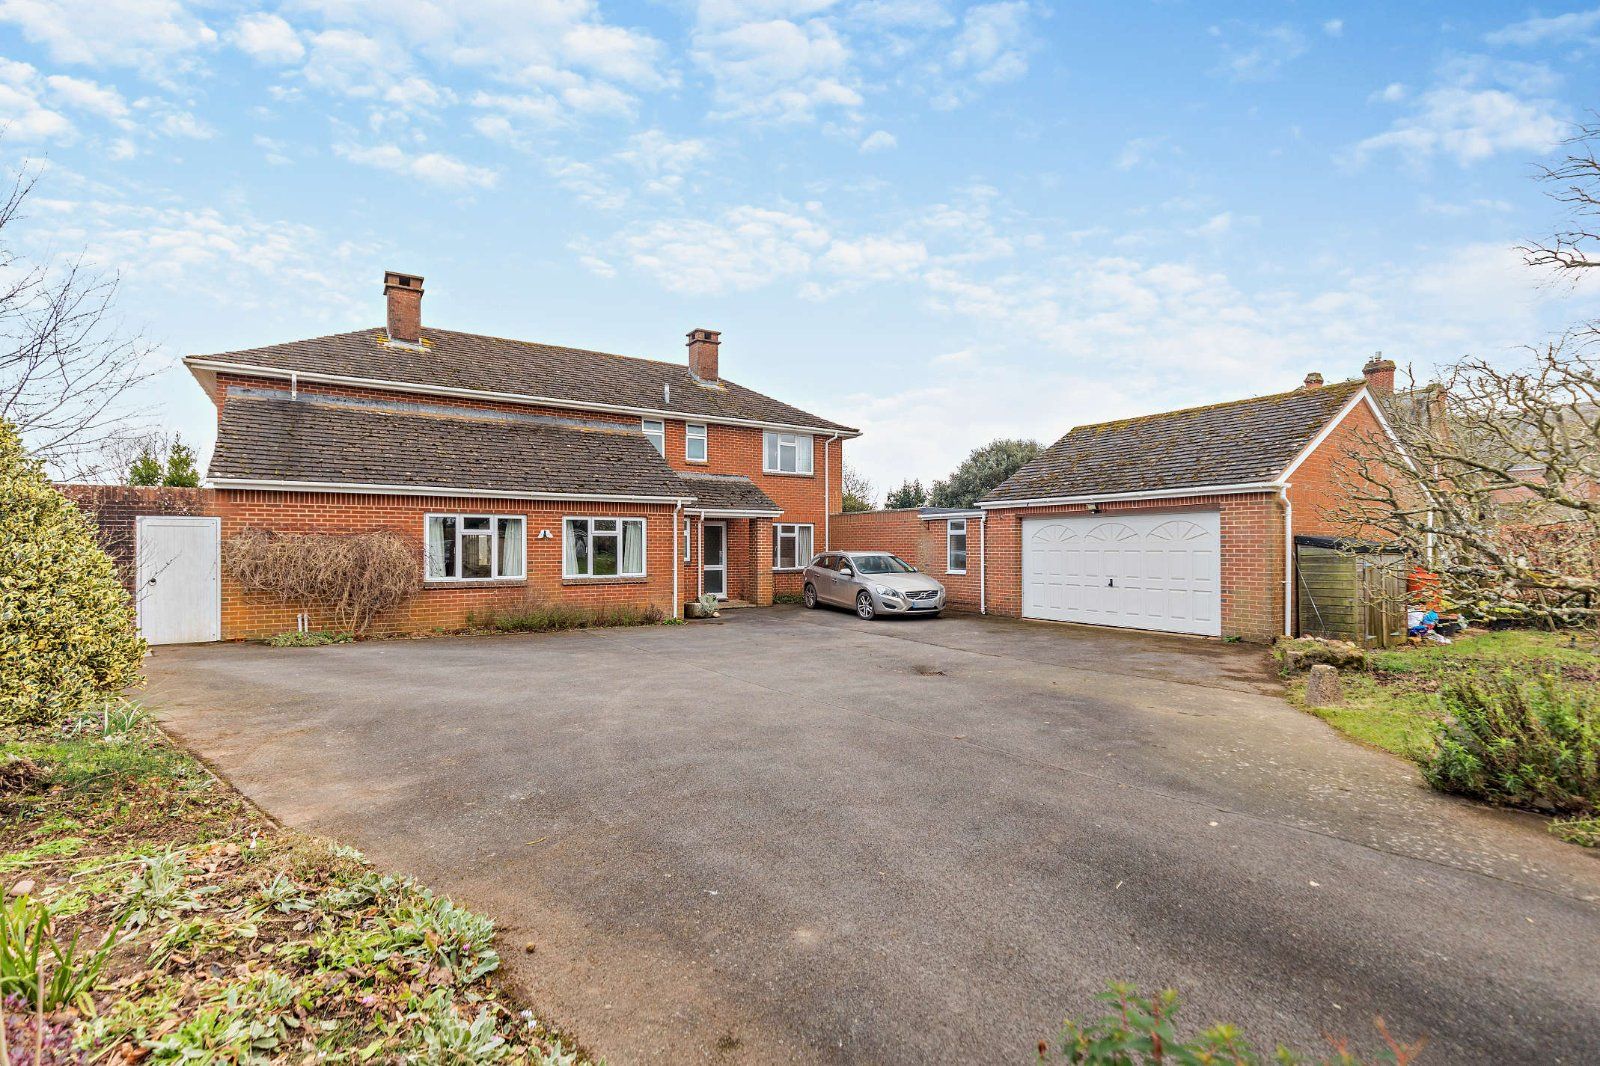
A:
(1180, 522)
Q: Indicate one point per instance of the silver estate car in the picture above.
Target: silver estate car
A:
(872, 583)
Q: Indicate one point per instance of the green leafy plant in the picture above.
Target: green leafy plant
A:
(445, 1039)
(62, 979)
(1518, 743)
(67, 638)
(1140, 1031)
(157, 889)
(1584, 832)
(114, 721)
(283, 895)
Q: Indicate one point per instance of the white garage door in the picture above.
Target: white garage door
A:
(1154, 571)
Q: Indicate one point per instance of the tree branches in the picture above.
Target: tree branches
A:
(66, 371)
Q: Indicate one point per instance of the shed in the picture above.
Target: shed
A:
(1350, 590)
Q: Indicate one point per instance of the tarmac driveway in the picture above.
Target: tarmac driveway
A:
(797, 836)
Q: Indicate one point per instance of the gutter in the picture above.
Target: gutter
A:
(201, 363)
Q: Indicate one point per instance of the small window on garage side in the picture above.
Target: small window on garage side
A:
(655, 431)
(694, 443)
(473, 547)
(791, 549)
(955, 542)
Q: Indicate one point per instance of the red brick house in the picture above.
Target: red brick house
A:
(1178, 522)
(516, 469)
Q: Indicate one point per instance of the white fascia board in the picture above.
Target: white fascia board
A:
(942, 517)
(194, 362)
(1153, 494)
(358, 489)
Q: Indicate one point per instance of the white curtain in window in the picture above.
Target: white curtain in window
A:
(438, 529)
(633, 547)
(577, 546)
(510, 547)
(802, 540)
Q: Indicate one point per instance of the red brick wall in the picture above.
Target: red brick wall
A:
(1318, 487)
(919, 541)
(113, 509)
(439, 606)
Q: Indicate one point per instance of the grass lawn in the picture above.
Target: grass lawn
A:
(1393, 705)
(230, 939)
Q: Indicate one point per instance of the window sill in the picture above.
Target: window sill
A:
(788, 569)
(639, 580)
(697, 462)
(955, 573)
(786, 473)
(473, 583)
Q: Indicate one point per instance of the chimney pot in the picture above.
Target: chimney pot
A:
(703, 354)
(404, 295)
(1379, 373)
(1313, 380)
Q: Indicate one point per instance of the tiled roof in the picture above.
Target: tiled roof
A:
(1236, 443)
(332, 441)
(725, 492)
(493, 364)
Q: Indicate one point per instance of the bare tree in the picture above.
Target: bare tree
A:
(67, 373)
(1575, 185)
(1495, 483)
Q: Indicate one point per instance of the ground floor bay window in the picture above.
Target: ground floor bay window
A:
(603, 547)
(474, 547)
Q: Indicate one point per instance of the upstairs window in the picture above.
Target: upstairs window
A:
(787, 453)
(473, 547)
(655, 431)
(694, 443)
(955, 544)
(602, 547)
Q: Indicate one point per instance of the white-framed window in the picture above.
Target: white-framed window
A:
(694, 442)
(602, 547)
(791, 546)
(655, 431)
(955, 546)
(474, 547)
(688, 543)
(786, 453)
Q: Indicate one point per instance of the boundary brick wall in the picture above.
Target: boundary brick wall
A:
(114, 508)
(919, 541)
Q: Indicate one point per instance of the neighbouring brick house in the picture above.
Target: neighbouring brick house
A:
(1177, 522)
(517, 470)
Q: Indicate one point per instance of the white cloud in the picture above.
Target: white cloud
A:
(152, 35)
(267, 38)
(994, 42)
(1216, 226)
(1469, 125)
(434, 168)
(1572, 26)
(1333, 27)
(1143, 150)
(1263, 52)
(879, 141)
(353, 63)
(777, 70)
(274, 151)
(85, 95)
(744, 248)
(1392, 93)
(22, 113)
(874, 258)
(183, 124)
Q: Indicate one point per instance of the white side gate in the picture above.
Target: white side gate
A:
(180, 581)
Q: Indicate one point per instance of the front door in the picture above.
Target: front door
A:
(714, 560)
(179, 594)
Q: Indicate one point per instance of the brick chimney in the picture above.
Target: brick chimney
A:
(1380, 374)
(1313, 381)
(703, 354)
(404, 293)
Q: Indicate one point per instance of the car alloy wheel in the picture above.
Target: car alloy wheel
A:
(809, 597)
(864, 606)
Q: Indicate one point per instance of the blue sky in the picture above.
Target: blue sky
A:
(942, 222)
